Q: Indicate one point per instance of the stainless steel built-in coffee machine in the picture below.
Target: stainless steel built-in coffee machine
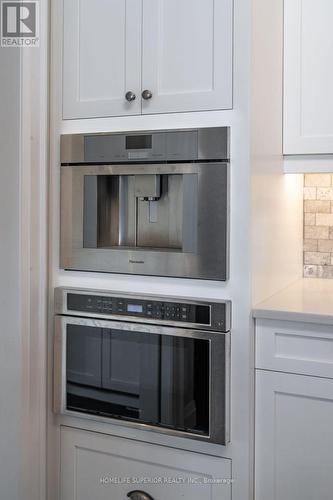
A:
(150, 203)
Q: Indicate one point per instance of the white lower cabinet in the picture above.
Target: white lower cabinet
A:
(294, 437)
(100, 467)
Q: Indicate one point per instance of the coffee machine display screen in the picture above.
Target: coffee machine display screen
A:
(138, 142)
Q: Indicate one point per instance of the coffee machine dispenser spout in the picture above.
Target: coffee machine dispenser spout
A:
(148, 187)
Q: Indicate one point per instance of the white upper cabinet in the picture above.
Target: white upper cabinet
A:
(308, 107)
(165, 55)
(187, 55)
(102, 58)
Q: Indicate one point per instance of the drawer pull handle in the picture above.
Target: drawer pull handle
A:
(130, 96)
(139, 495)
(147, 94)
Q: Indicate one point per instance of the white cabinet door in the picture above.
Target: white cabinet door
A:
(187, 55)
(101, 58)
(99, 467)
(294, 437)
(308, 106)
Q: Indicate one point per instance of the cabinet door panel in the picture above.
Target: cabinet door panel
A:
(187, 55)
(100, 467)
(102, 57)
(308, 127)
(294, 438)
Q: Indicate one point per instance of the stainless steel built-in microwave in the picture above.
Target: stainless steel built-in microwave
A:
(150, 203)
(152, 363)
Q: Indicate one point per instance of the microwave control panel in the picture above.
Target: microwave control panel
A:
(208, 316)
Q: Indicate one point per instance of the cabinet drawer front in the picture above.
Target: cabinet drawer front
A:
(294, 347)
(100, 467)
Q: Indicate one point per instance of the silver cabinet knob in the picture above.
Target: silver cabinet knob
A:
(147, 94)
(130, 96)
(139, 495)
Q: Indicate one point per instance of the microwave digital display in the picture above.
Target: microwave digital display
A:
(139, 142)
(134, 308)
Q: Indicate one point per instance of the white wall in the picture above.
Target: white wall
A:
(10, 337)
(277, 199)
(23, 270)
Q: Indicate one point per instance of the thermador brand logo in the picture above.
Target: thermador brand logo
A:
(136, 261)
(20, 24)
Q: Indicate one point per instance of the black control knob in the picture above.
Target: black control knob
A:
(139, 495)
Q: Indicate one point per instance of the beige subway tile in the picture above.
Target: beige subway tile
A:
(325, 272)
(311, 245)
(317, 206)
(318, 180)
(317, 258)
(331, 233)
(310, 271)
(331, 259)
(325, 246)
(316, 232)
(324, 219)
(309, 219)
(324, 193)
(310, 193)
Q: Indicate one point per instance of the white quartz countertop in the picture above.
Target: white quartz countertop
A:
(307, 300)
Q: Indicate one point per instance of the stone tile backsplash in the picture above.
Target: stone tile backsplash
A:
(318, 226)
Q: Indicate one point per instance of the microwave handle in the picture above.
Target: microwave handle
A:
(59, 368)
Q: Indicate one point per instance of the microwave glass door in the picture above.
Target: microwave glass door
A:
(161, 380)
